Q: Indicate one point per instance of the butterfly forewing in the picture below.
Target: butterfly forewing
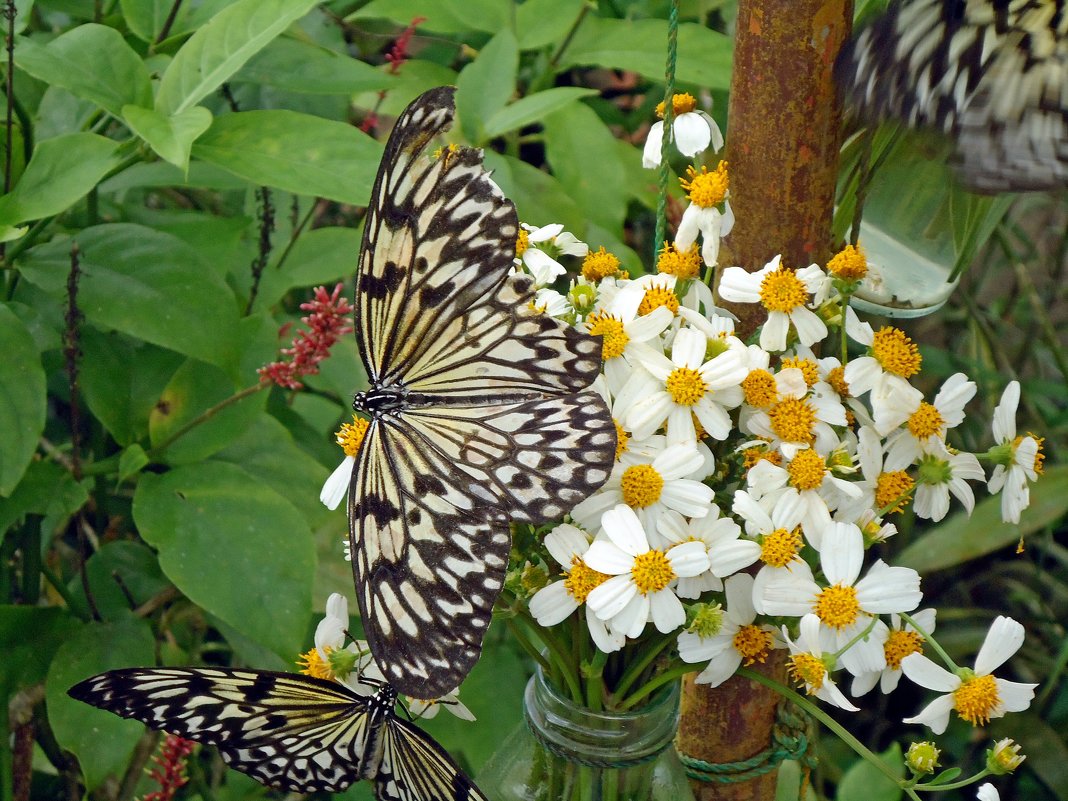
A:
(415, 768)
(287, 731)
(992, 74)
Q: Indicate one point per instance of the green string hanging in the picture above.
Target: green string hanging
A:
(669, 118)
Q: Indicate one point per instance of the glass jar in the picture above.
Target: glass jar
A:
(567, 752)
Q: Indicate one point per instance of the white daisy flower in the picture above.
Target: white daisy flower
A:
(927, 423)
(709, 213)
(976, 695)
(622, 329)
(551, 303)
(784, 294)
(727, 552)
(690, 385)
(848, 603)
(798, 418)
(651, 489)
(639, 591)
(892, 359)
(809, 658)
(567, 544)
(941, 473)
(739, 640)
(538, 248)
(349, 437)
(988, 792)
(1018, 459)
(692, 131)
(898, 640)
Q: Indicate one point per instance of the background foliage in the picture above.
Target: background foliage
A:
(185, 172)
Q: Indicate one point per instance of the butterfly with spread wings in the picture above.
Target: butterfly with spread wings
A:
(480, 412)
(991, 74)
(288, 731)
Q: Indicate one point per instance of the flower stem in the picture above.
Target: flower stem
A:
(204, 416)
(636, 667)
(927, 638)
(674, 673)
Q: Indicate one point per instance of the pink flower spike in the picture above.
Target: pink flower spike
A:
(327, 323)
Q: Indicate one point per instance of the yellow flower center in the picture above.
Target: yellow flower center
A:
(601, 264)
(522, 242)
(651, 572)
(614, 339)
(757, 453)
(582, 579)
(311, 664)
(753, 643)
(685, 386)
(682, 103)
(893, 490)
(706, 189)
(792, 420)
(809, 670)
(926, 421)
(897, 354)
(780, 547)
(657, 296)
(837, 606)
(350, 435)
(759, 388)
(782, 291)
(1039, 456)
(900, 644)
(809, 369)
(622, 437)
(806, 470)
(849, 263)
(836, 378)
(682, 264)
(976, 699)
(642, 486)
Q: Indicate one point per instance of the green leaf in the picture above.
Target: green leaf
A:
(234, 546)
(539, 197)
(193, 390)
(131, 461)
(866, 782)
(101, 740)
(639, 46)
(541, 23)
(170, 137)
(60, 173)
(161, 174)
(300, 153)
(26, 659)
(131, 563)
(46, 489)
(960, 539)
(533, 108)
(299, 66)
(22, 399)
(118, 76)
(486, 84)
(221, 47)
(145, 18)
(144, 283)
(323, 256)
(582, 153)
(437, 16)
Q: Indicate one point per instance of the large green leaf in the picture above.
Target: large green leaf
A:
(640, 46)
(126, 561)
(300, 153)
(299, 66)
(144, 283)
(322, 256)
(46, 489)
(22, 399)
(539, 197)
(961, 538)
(118, 76)
(233, 546)
(101, 741)
(487, 84)
(541, 23)
(26, 658)
(533, 108)
(866, 782)
(221, 47)
(61, 172)
(437, 16)
(171, 136)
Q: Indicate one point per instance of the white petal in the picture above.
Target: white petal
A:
(552, 604)
(1015, 696)
(1005, 413)
(337, 484)
(608, 600)
(935, 715)
(922, 671)
(653, 146)
(688, 349)
(739, 286)
(606, 557)
(720, 668)
(692, 134)
(622, 526)
(688, 558)
(842, 553)
(1002, 641)
(565, 542)
(773, 332)
(632, 618)
(889, 589)
(691, 498)
(666, 611)
(810, 328)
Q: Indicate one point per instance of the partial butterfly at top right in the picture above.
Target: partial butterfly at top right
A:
(990, 74)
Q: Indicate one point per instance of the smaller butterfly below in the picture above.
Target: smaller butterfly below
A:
(286, 730)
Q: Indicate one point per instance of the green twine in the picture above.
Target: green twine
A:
(669, 118)
(790, 736)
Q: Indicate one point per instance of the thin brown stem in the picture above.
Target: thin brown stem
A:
(167, 23)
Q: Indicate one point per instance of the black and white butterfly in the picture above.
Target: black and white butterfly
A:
(479, 407)
(286, 730)
(992, 74)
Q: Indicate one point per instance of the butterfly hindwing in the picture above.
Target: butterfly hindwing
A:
(285, 730)
(415, 768)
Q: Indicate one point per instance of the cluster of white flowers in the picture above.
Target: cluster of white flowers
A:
(752, 481)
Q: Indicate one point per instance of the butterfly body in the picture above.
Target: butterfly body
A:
(479, 407)
(288, 731)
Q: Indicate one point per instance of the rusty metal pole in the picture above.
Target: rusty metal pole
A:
(783, 134)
